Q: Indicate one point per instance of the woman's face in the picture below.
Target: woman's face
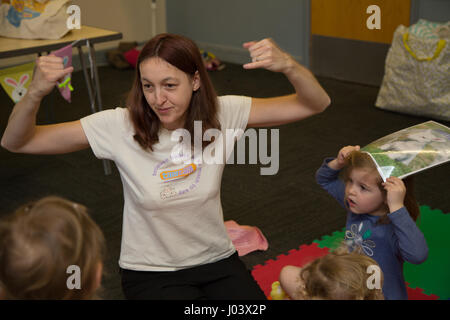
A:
(168, 91)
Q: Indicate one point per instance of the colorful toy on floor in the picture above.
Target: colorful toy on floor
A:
(125, 56)
(132, 56)
(277, 292)
(211, 62)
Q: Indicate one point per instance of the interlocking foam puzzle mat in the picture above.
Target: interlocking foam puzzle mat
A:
(427, 281)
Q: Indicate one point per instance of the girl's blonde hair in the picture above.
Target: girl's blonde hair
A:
(340, 275)
(40, 241)
(361, 160)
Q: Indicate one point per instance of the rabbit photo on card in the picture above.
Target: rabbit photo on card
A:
(406, 149)
(19, 88)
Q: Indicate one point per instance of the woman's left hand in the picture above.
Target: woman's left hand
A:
(266, 54)
(396, 191)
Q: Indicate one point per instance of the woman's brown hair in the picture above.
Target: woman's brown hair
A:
(358, 159)
(340, 275)
(184, 54)
(40, 241)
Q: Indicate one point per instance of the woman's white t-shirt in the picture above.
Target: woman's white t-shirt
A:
(172, 216)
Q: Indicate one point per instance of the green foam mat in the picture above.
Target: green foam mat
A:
(333, 241)
(433, 276)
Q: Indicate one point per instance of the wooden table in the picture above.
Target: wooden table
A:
(85, 36)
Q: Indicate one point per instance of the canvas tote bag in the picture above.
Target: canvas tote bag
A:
(33, 19)
(417, 71)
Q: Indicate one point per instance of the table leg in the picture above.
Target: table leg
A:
(93, 92)
(96, 78)
(87, 79)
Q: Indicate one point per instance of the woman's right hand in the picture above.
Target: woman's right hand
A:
(22, 135)
(49, 69)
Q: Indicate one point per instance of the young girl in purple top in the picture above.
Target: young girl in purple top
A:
(380, 215)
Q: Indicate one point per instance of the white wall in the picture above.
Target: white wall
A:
(132, 18)
(221, 26)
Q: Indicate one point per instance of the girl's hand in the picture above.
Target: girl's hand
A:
(266, 54)
(340, 161)
(396, 192)
(49, 69)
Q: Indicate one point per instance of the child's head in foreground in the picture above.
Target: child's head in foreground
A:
(40, 241)
(365, 192)
(339, 275)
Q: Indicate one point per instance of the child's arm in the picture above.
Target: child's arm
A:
(328, 179)
(411, 241)
(328, 174)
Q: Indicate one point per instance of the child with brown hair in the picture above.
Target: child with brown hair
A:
(380, 215)
(340, 275)
(38, 244)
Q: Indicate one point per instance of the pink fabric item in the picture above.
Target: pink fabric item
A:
(66, 54)
(246, 238)
(132, 56)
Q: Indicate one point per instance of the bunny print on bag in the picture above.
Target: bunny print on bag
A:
(19, 88)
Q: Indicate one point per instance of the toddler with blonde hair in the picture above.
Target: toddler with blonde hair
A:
(38, 244)
(340, 275)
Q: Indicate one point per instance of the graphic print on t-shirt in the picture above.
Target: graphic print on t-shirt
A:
(176, 180)
(179, 173)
